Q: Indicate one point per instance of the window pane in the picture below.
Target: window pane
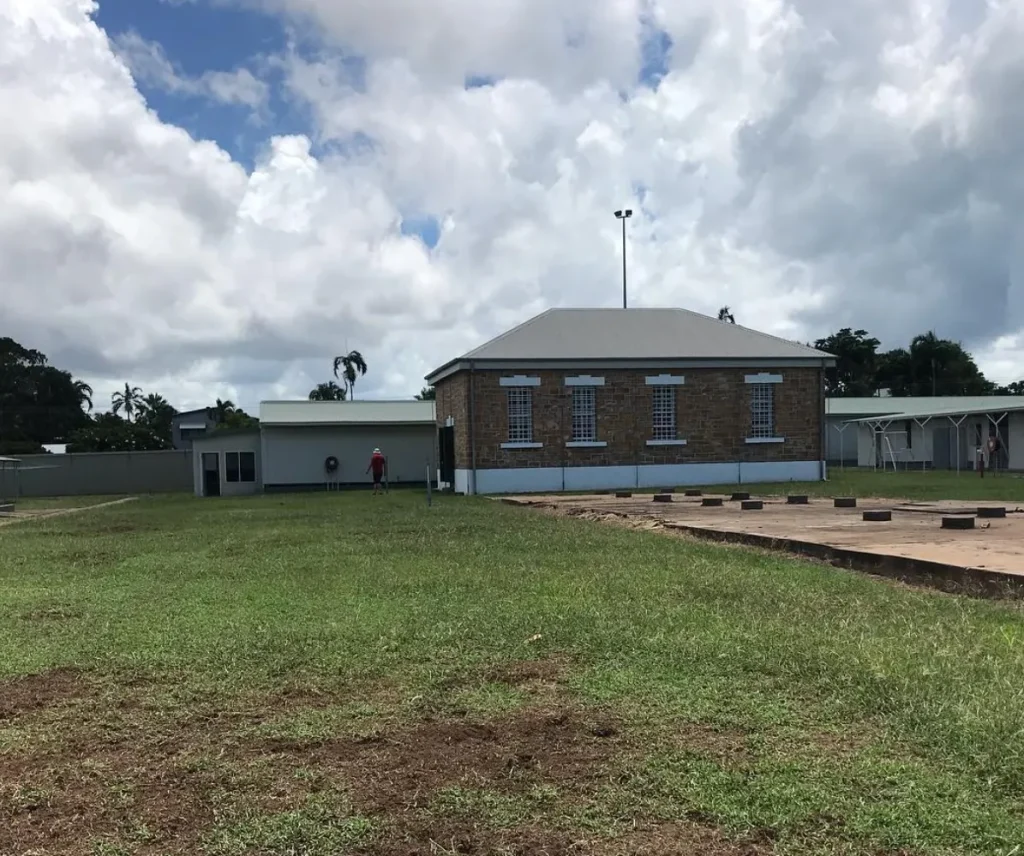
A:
(584, 414)
(663, 405)
(762, 410)
(520, 415)
(231, 466)
(247, 466)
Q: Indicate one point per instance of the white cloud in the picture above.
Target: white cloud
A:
(811, 164)
(149, 64)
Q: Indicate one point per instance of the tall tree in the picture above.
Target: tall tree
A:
(352, 365)
(856, 368)
(932, 366)
(84, 392)
(237, 419)
(38, 402)
(221, 411)
(157, 414)
(329, 391)
(128, 400)
(725, 314)
(428, 393)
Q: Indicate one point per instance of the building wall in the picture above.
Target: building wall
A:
(184, 439)
(106, 473)
(220, 445)
(712, 415)
(294, 456)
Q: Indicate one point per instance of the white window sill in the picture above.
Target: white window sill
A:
(762, 440)
(666, 442)
(586, 444)
(522, 445)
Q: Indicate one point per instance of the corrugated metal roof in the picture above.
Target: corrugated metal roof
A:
(1009, 404)
(921, 406)
(10, 460)
(634, 334)
(346, 412)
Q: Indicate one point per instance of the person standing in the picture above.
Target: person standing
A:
(378, 465)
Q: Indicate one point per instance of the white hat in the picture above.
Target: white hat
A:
(376, 450)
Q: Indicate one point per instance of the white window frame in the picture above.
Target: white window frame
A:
(240, 480)
(762, 389)
(515, 396)
(583, 404)
(659, 382)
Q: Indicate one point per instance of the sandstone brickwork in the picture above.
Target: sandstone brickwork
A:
(712, 415)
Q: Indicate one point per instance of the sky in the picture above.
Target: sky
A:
(213, 198)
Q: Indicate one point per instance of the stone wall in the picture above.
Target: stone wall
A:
(712, 415)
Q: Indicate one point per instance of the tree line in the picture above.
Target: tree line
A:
(41, 404)
(929, 366)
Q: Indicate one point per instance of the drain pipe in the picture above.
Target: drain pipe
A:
(824, 426)
(472, 420)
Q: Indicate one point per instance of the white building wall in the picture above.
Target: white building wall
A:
(219, 445)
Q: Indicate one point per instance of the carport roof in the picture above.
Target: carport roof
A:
(346, 413)
(907, 407)
(1000, 404)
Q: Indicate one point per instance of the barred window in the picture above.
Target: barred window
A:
(520, 414)
(663, 406)
(762, 410)
(584, 414)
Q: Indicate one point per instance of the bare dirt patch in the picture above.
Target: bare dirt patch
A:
(129, 772)
(31, 693)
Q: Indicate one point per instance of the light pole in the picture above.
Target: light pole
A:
(624, 216)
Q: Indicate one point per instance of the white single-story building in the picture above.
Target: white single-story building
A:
(318, 445)
(941, 432)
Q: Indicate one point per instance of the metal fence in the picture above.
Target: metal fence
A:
(106, 473)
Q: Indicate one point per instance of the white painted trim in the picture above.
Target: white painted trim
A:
(762, 377)
(665, 380)
(586, 444)
(555, 479)
(584, 380)
(522, 445)
(755, 441)
(519, 380)
(666, 442)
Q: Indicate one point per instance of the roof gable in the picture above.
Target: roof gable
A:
(634, 334)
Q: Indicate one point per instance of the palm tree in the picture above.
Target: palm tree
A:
(84, 393)
(329, 391)
(725, 315)
(129, 400)
(353, 365)
(220, 412)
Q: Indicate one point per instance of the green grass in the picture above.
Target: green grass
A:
(47, 503)
(757, 693)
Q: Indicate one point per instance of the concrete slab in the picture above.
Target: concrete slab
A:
(913, 545)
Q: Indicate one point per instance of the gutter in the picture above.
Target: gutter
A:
(824, 423)
(472, 421)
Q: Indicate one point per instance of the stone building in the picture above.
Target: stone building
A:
(586, 399)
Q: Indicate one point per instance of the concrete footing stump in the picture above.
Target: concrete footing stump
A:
(752, 504)
(622, 494)
(797, 499)
(878, 516)
(662, 497)
(693, 493)
(740, 496)
(845, 502)
(711, 501)
(958, 522)
(991, 512)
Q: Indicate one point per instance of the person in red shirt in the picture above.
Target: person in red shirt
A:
(378, 463)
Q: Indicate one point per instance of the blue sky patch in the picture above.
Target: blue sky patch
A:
(656, 48)
(426, 228)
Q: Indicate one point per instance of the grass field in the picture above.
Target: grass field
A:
(337, 674)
